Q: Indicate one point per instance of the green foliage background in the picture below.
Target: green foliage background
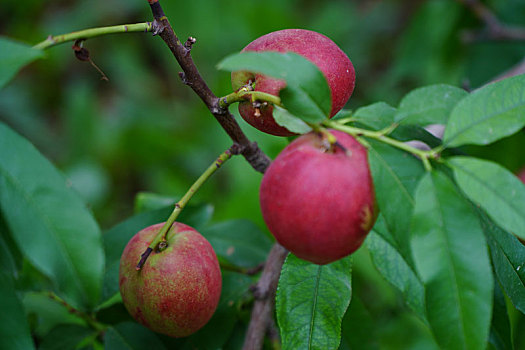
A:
(145, 131)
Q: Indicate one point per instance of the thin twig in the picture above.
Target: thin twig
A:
(262, 311)
(93, 32)
(191, 76)
(495, 29)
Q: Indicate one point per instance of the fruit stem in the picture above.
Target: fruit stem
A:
(94, 32)
(88, 318)
(380, 136)
(243, 93)
(160, 241)
(346, 120)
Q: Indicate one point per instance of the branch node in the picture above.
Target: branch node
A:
(82, 54)
(183, 78)
(258, 293)
(158, 27)
(236, 149)
(189, 44)
(216, 110)
(255, 156)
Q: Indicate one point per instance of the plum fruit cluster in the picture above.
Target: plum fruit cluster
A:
(317, 198)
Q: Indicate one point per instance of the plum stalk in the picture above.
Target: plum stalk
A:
(160, 241)
(380, 135)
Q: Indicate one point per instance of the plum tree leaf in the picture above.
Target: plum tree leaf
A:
(14, 56)
(508, 258)
(451, 257)
(396, 175)
(396, 270)
(10, 257)
(306, 95)
(51, 313)
(495, 189)
(14, 329)
(67, 337)
(240, 242)
(488, 114)
(49, 222)
(377, 115)
(311, 302)
(359, 329)
(429, 105)
(289, 121)
(130, 335)
(380, 115)
(500, 334)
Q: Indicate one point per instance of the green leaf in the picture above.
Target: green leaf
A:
(49, 312)
(194, 215)
(500, 334)
(377, 116)
(396, 270)
(10, 256)
(495, 189)
(508, 258)
(342, 114)
(14, 330)
(380, 115)
(429, 105)
(289, 121)
(239, 242)
(306, 95)
(396, 174)
(488, 114)
(49, 222)
(311, 302)
(13, 56)
(359, 329)
(67, 337)
(129, 335)
(451, 258)
(148, 201)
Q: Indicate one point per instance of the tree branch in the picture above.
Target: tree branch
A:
(191, 77)
(264, 291)
(495, 30)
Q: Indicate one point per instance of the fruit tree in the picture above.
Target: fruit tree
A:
(359, 185)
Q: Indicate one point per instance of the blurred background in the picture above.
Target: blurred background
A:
(144, 131)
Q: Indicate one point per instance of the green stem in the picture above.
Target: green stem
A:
(241, 95)
(380, 136)
(346, 120)
(94, 32)
(242, 270)
(89, 319)
(161, 238)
